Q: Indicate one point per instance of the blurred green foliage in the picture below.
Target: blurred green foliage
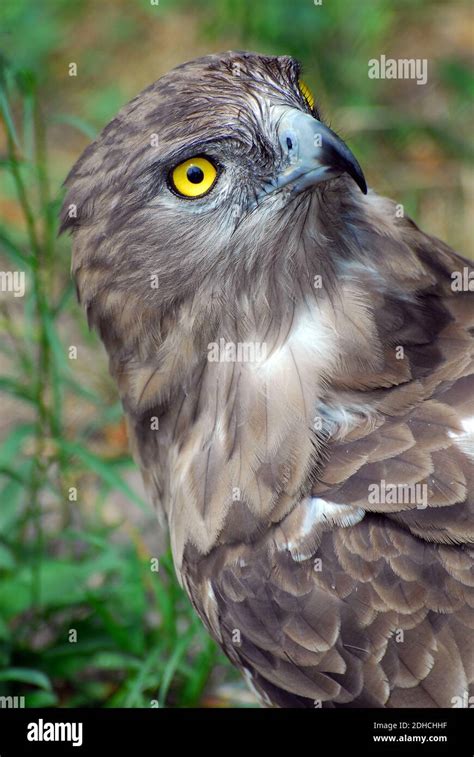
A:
(63, 564)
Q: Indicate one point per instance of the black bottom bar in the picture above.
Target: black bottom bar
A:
(155, 732)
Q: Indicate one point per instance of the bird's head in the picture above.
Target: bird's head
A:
(203, 184)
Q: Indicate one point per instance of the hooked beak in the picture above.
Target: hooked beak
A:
(313, 153)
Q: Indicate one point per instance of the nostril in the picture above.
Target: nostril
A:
(289, 143)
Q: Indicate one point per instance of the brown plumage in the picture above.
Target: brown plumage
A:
(316, 478)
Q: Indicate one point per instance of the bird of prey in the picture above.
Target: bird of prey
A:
(295, 362)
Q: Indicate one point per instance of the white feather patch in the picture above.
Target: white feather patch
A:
(317, 515)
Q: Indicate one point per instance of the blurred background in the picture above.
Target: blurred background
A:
(88, 615)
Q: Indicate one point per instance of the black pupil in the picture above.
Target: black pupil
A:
(195, 174)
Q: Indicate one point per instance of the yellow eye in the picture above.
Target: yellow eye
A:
(307, 94)
(193, 177)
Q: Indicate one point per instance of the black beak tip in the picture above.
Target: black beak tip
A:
(362, 184)
(355, 171)
(341, 158)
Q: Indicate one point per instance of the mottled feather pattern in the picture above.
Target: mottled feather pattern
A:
(321, 594)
